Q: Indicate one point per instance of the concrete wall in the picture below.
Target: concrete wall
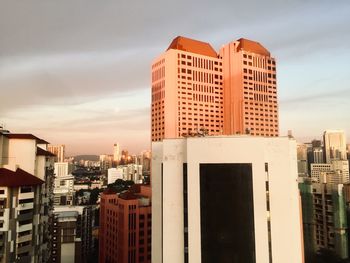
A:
(167, 227)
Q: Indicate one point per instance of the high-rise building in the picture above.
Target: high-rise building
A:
(59, 151)
(198, 91)
(335, 145)
(187, 93)
(116, 153)
(224, 199)
(125, 226)
(324, 218)
(302, 159)
(106, 162)
(250, 89)
(26, 177)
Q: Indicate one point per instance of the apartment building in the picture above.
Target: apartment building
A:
(26, 178)
(125, 226)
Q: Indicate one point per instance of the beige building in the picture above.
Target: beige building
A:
(336, 172)
(26, 177)
(214, 203)
(59, 151)
(335, 145)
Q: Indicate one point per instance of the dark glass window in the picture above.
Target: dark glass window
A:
(227, 213)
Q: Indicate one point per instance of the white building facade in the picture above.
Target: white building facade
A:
(224, 199)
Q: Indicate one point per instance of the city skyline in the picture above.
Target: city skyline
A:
(84, 81)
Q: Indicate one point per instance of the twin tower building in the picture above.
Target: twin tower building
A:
(224, 184)
(231, 92)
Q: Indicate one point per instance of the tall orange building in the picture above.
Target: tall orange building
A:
(187, 91)
(196, 89)
(250, 94)
(125, 226)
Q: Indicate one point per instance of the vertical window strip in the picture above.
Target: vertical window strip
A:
(185, 205)
(267, 186)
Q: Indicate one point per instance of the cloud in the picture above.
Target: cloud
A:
(69, 78)
(332, 95)
(79, 70)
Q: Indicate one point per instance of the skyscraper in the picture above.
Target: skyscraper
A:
(116, 153)
(187, 93)
(197, 90)
(59, 151)
(250, 90)
(335, 145)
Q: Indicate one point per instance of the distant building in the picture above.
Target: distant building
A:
(336, 172)
(59, 151)
(335, 145)
(64, 190)
(224, 199)
(114, 174)
(116, 153)
(318, 155)
(125, 226)
(72, 234)
(324, 218)
(63, 168)
(26, 179)
(302, 159)
(145, 161)
(106, 162)
(131, 172)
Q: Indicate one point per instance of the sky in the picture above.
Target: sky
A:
(77, 72)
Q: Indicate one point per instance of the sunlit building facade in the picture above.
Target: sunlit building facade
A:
(335, 145)
(187, 92)
(196, 90)
(250, 89)
(125, 226)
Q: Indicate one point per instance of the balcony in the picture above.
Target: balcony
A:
(29, 195)
(24, 238)
(24, 249)
(25, 206)
(25, 227)
(26, 216)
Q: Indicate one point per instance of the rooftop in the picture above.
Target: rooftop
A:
(252, 46)
(42, 152)
(24, 136)
(18, 178)
(193, 46)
